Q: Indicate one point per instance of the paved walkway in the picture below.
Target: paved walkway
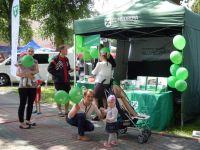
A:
(52, 133)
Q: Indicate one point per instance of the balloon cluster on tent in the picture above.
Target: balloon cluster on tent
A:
(75, 95)
(86, 53)
(179, 74)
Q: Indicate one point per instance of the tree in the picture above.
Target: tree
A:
(196, 6)
(25, 31)
(57, 16)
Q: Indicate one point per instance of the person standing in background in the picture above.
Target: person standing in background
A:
(59, 68)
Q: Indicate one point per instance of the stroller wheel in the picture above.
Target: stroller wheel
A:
(145, 138)
(123, 131)
(146, 132)
(141, 139)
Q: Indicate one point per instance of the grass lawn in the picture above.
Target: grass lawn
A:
(186, 130)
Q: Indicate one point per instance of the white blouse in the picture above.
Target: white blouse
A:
(103, 70)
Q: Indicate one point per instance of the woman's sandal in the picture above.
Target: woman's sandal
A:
(22, 127)
(31, 124)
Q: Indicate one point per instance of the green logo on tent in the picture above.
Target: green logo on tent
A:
(108, 22)
(16, 10)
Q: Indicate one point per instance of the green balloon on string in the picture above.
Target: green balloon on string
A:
(76, 94)
(176, 57)
(49, 59)
(173, 69)
(182, 73)
(181, 85)
(61, 97)
(94, 52)
(27, 61)
(171, 81)
(179, 42)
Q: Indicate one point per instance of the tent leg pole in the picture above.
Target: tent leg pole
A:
(181, 113)
(74, 59)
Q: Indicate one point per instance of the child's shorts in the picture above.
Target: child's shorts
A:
(112, 127)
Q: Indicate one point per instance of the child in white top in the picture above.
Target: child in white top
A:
(111, 121)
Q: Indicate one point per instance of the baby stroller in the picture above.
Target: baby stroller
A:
(127, 115)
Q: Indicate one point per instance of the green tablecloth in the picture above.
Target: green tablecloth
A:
(85, 84)
(158, 106)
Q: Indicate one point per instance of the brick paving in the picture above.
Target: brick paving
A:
(53, 133)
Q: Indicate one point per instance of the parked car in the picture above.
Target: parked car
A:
(5, 74)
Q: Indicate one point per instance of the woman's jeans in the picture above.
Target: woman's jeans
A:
(26, 95)
(80, 121)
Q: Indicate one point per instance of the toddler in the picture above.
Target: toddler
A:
(38, 97)
(25, 81)
(111, 121)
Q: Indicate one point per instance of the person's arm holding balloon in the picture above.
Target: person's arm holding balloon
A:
(74, 111)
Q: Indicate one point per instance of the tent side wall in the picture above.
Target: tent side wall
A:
(191, 53)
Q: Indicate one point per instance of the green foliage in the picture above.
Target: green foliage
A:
(57, 16)
(196, 6)
(25, 32)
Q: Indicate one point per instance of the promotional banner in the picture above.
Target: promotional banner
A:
(15, 35)
(150, 49)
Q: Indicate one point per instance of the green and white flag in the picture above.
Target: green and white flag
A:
(15, 35)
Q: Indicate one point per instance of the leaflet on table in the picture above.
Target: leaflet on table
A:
(151, 83)
(128, 84)
(162, 84)
(141, 82)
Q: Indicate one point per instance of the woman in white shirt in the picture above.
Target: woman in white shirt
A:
(103, 75)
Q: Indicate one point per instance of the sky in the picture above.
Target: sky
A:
(104, 6)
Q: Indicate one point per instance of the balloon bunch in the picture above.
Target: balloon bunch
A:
(62, 97)
(179, 74)
(88, 53)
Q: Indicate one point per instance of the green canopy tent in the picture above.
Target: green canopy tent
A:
(136, 18)
(155, 18)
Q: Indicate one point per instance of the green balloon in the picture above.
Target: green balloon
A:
(27, 61)
(171, 81)
(182, 73)
(173, 69)
(179, 42)
(181, 85)
(94, 52)
(49, 59)
(76, 95)
(61, 97)
(176, 57)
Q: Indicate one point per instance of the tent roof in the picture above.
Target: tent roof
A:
(139, 16)
(31, 44)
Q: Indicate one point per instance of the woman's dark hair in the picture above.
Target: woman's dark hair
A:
(101, 46)
(60, 47)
